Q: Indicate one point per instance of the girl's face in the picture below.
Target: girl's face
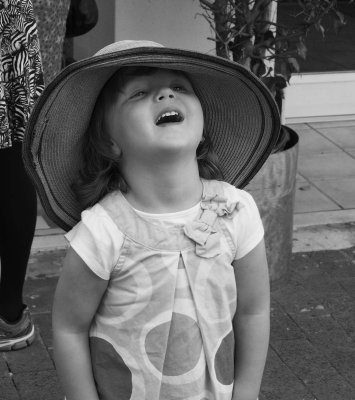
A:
(154, 115)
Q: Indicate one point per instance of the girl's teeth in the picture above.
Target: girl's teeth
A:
(167, 114)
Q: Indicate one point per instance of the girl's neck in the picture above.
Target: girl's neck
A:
(164, 190)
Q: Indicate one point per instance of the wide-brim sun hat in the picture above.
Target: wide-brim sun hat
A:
(240, 114)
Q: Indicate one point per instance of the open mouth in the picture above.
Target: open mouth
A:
(169, 117)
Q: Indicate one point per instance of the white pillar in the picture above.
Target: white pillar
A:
(272, 17)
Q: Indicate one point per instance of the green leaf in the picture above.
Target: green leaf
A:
(294, 63)
(340, 16)
(301, 49)
(257, 67)
(337, 25)
(320, 28)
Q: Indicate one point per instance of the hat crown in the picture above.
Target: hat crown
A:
(126, 45)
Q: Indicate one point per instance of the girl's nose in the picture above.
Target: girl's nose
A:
(165, 93)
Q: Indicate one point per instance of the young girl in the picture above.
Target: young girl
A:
(164, 293)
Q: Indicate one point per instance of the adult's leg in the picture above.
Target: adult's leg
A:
(18, 210)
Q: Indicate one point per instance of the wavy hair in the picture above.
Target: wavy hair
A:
(101, 172)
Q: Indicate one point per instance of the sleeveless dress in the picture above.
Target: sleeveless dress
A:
(164, 328)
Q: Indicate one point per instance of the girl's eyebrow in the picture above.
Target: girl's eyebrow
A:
(130, 87)
(135, 81)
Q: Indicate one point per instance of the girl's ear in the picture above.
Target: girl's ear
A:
(116, 148)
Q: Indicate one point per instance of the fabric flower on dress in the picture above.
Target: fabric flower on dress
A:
(207, 239)
(202, 230)
(220, 205)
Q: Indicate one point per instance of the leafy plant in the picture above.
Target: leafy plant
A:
(246, 32)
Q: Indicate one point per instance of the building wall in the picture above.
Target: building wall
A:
(323, 96)
(173, 23)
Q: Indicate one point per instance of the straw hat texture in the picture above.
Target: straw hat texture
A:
(240, 114)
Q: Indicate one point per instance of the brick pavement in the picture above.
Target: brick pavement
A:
(312, 349)
(29, 374)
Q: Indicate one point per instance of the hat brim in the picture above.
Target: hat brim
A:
(240, 114)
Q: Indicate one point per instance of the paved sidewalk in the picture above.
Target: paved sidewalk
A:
(29, 374)
(312, 351)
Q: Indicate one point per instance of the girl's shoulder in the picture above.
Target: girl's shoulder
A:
(97, 240)
(97, 221)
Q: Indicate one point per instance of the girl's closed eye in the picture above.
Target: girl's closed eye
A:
(138, 94)
(182, 86)
(179, 88)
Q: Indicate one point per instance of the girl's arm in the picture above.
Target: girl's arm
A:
(251, 322)
(77, 297)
